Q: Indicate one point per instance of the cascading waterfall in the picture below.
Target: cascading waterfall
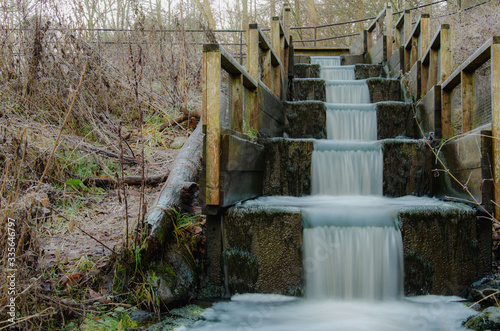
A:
(352, 247)
(346, 168)
(346, 91)
(359, 262)
(337, 73)
(351, 122)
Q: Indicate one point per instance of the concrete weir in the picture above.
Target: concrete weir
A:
(263, 247)
(259, 246)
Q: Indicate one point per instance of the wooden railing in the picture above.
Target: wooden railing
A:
(382, 25)
(428, 66)
(227, 149)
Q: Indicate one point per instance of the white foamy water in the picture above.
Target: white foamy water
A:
(351, 262)
(279, 313)
(351, 122)
(346, 168)
(326, 61)
(337, 73)
(347, 91)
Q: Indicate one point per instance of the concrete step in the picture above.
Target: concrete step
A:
(361, 71)
(307, 119)
(407, 165)
(381, 89)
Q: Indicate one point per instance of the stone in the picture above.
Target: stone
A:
(309, 89)
(305, 119)
(306, 70)
(384, 89)
(263, 249)
(175, 277)
(364, 71)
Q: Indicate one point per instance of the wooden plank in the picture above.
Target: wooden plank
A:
(359, 45)
(379, 17)
(237, 102)
(266, 76)
(271, 114)
(446, 113)
(378, 53)
(238, 186)
(429, 112)
(368, 40)
(414, 51)
(204, 88)
(468, 99)
(388, 30)
(212, 124)
(239, 154)
(416, 80)
(495, 108)
(229, 64)
(478, 58)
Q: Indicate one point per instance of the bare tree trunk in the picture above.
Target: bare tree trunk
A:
(244, 23)
(312, 11)
(207, 12)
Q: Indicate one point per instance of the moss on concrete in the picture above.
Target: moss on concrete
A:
(266, 239)
(287, 166)
(305, 119)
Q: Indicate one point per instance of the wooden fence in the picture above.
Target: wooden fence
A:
(233, 165)
(427, 64)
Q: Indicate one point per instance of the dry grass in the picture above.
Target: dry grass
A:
(129, 86)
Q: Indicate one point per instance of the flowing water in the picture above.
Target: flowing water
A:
(352, 246)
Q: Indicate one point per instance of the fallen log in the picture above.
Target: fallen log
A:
(183, 172)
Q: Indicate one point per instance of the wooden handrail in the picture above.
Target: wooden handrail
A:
(417, 42)
(436, 62)
(265, 70)
(465, 76)
(384, 16)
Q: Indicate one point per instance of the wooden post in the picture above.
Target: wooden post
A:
(276, 43)
(388, 29)
(446, 113)
(446, 53)
(237, 102)
(424, 34)
(468, 99)
(211, 119)
(252, 109)
(407, 26)
(275, 35)
(253, 51)
(286, 19)
(495, 108)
